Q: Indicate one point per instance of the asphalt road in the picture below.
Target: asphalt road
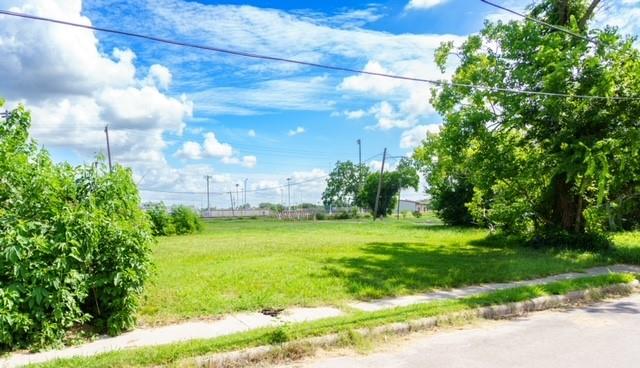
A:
(603, 335)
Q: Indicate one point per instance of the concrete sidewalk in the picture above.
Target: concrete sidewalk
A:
(603, 335)
(240, 322)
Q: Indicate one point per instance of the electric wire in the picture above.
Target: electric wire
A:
(536, 20)
(311, 64)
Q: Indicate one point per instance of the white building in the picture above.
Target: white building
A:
(413, 206)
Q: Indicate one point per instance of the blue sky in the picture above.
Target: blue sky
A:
(178, 114)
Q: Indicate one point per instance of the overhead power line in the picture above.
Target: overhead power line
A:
(310, 64)
(268, 189)
(536, 20)
(250, 191)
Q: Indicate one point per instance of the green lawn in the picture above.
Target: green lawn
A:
(252, 264)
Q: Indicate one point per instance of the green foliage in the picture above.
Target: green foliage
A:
(278, 336)
(185, 220)
(345, 215)
(404, 177)
(417, 214)
(74, 243)
(540, 165)
(344, 183)
(161, 223)
(180, 220)
(449, 188)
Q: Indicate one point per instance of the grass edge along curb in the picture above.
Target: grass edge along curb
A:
(182, 352)
(308, 345)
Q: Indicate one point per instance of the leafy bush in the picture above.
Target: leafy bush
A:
(185, 220)
(417, 214)
(181, 220)
(321, 216)
(160, 219)
(74, 243)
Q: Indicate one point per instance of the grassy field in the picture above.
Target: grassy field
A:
(252, 264)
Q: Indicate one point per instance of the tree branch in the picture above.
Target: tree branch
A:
(588, 14)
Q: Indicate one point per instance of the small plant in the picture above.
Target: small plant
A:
(417, 214)
(278, 336)
(321, 216)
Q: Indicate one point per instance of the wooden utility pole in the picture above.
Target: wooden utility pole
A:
(375, 210)
(106, 132)
(233, 212)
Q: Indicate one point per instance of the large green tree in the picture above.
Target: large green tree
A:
(541, 164)
(344, 183)
(405, 176)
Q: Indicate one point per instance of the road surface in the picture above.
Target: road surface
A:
(602, 335)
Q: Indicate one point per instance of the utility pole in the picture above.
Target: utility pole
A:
(233, 213)
(208, 203)
(359, 153)
(399, 190)
(359, 168)
(106, 132)
(245, 192)
(375, 210)
(237, 194)
(289, 194)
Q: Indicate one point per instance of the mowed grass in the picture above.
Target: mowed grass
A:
(247, 265)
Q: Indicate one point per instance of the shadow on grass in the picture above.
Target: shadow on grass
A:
(388, 269)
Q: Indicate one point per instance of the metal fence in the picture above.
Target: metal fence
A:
(236, 213)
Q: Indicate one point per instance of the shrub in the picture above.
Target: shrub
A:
(185, 220)
(160, 219)
(74, 243)
(417, 214)
(321, 216)
(343, 215)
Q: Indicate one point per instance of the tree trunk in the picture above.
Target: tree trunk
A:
(566, 207)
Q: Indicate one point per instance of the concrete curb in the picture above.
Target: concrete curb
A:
(254, 355)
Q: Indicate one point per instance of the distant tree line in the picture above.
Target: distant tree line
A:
(353, 185)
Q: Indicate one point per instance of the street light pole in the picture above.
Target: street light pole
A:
(288, 194)
(237, 194)
(208, 204)
(245, 192)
